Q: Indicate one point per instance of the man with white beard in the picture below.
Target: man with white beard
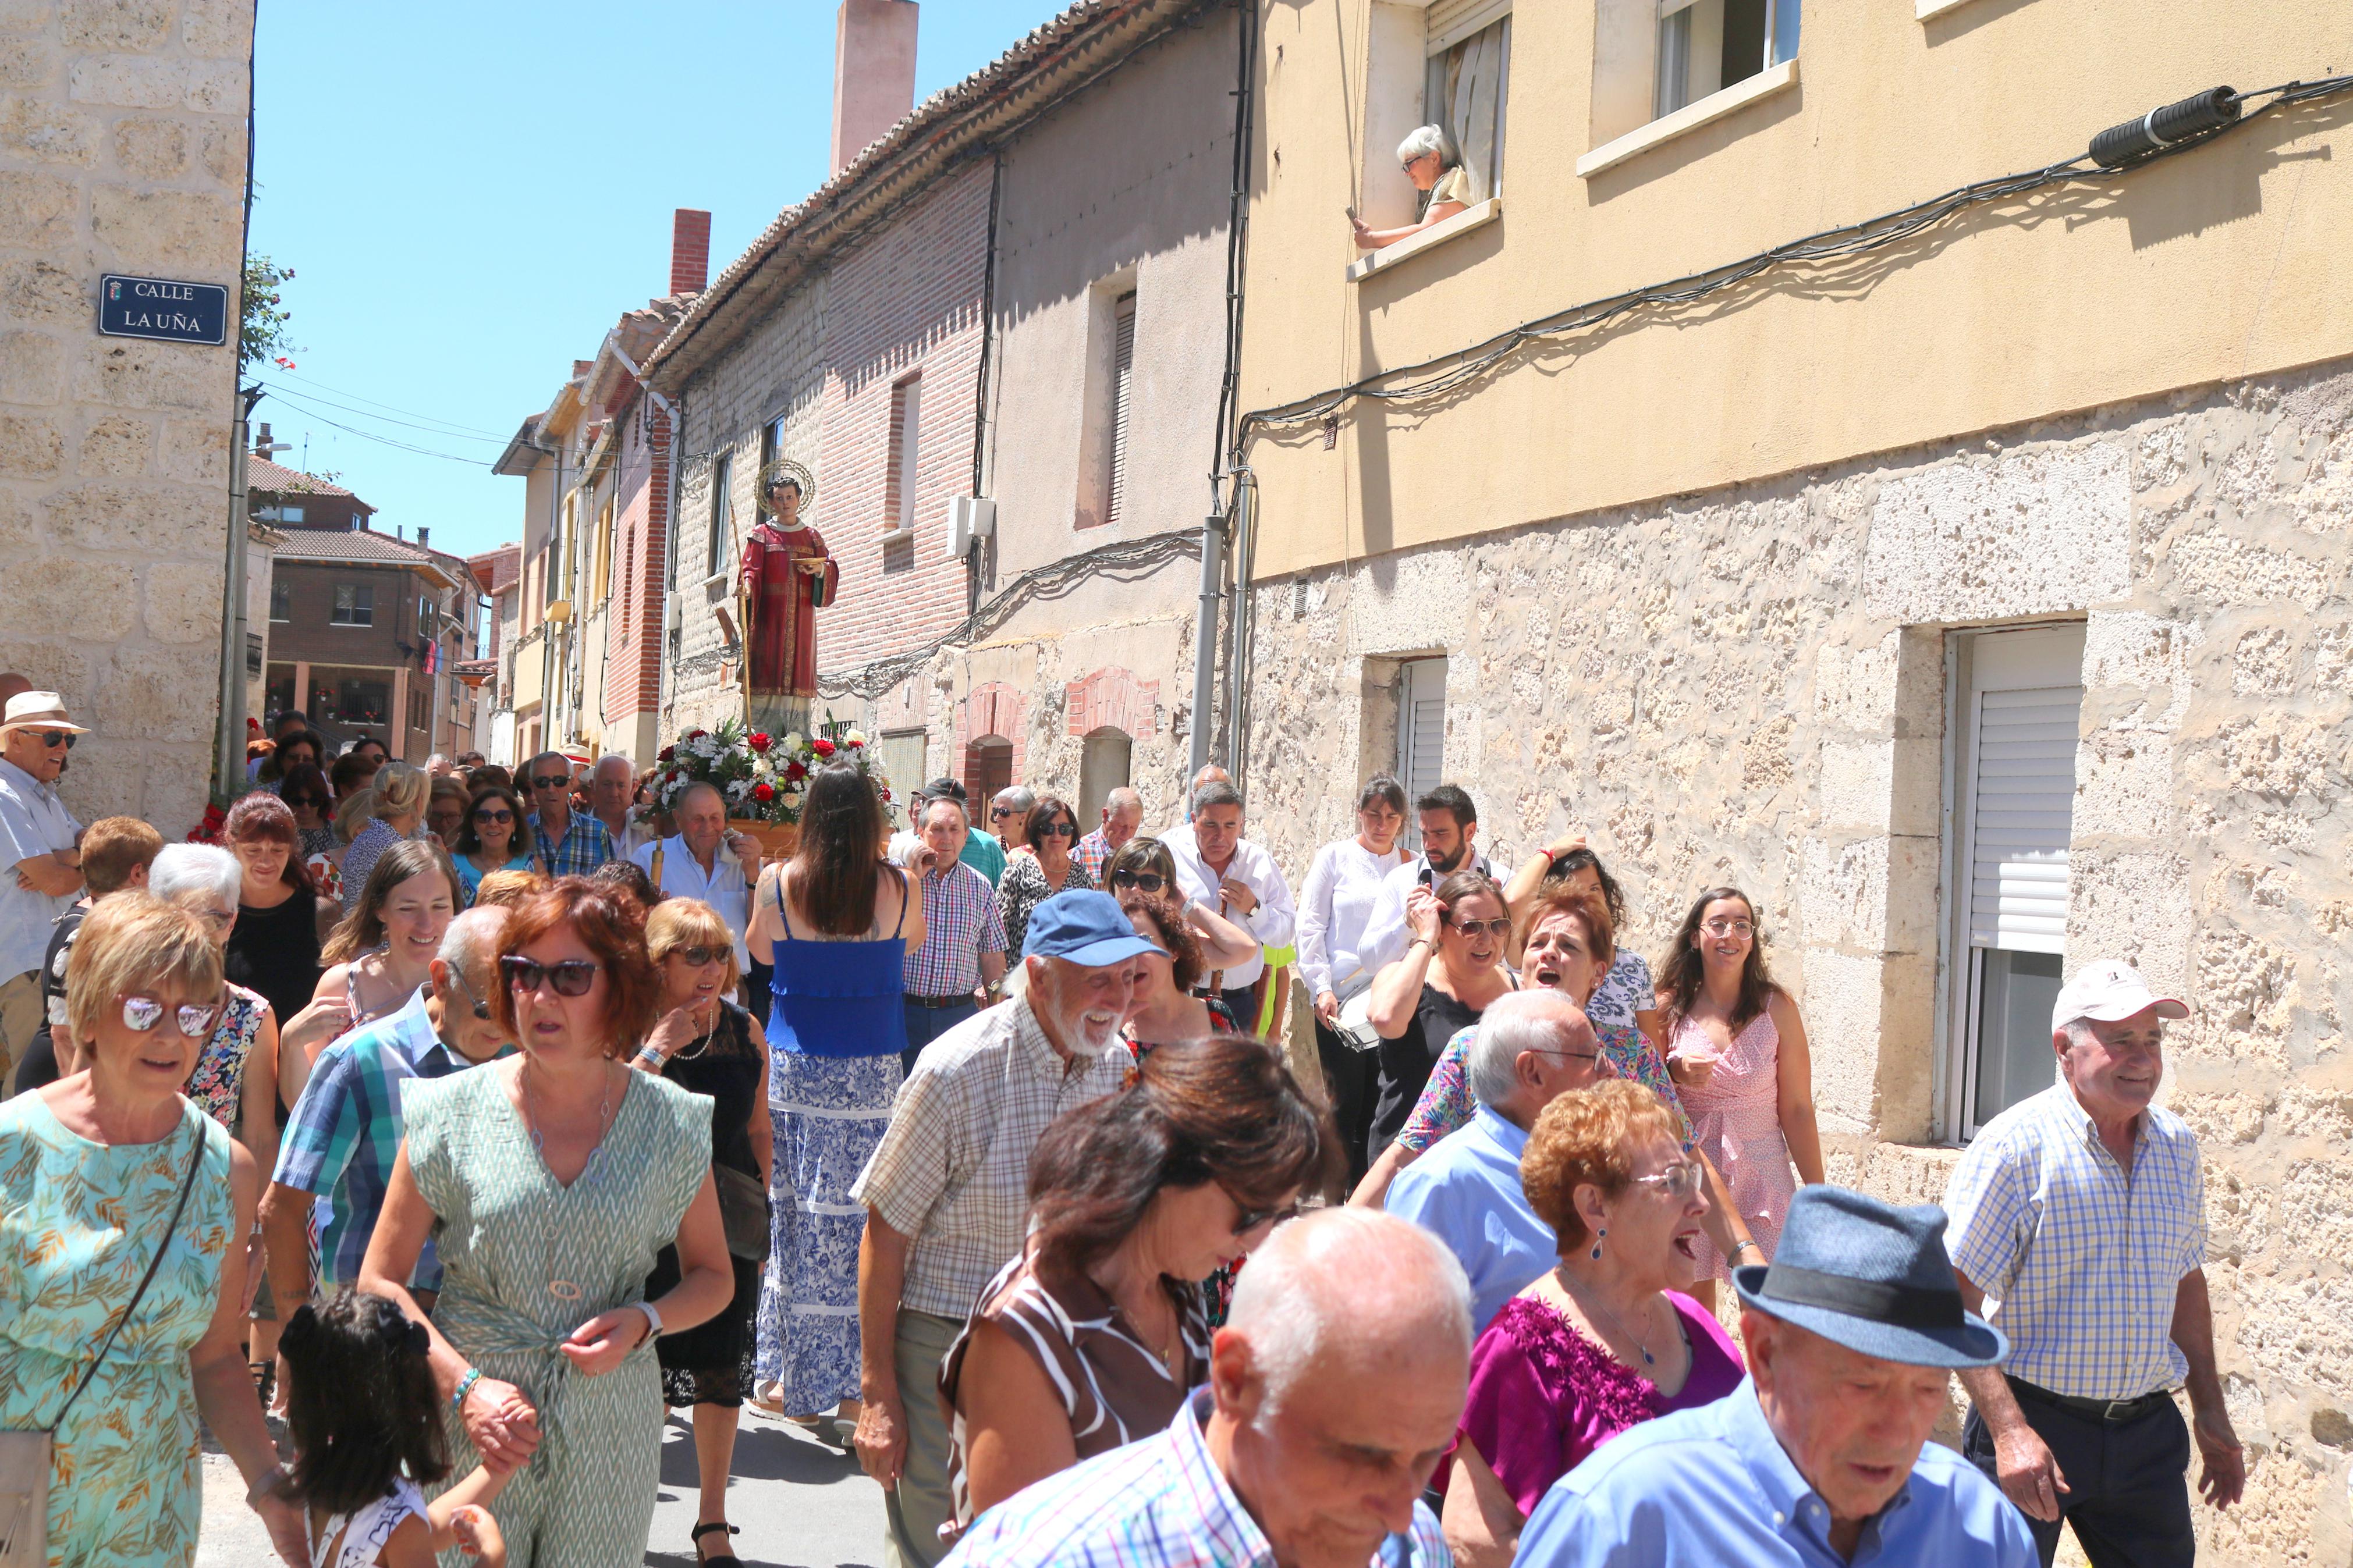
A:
(947, 1192)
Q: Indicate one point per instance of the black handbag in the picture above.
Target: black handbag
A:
(743, 1213)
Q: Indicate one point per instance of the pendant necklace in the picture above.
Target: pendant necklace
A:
(592, 1174)
(1616, 1321)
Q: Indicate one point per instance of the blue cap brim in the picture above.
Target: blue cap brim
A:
(1099, 955)
(1974, 1343)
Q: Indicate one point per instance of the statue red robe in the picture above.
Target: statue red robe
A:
(788, 576)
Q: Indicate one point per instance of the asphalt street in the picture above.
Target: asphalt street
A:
(801, 1504)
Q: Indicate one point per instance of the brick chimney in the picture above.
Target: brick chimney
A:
(873, 73)
(690, 250)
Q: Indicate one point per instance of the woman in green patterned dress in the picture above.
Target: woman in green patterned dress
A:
(553, 1177)
(90, 1173)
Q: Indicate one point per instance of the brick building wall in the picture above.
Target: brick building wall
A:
(121, 150)
(633, 624)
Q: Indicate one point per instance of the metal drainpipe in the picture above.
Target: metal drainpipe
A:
(1204, 641)
(230, 765)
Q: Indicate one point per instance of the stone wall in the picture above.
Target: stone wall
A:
(122, 149)
(1748, 686)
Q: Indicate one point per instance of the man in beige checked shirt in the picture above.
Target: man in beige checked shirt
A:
(947, 1192)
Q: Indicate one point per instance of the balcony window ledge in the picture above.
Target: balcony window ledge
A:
(1464, 222)
(1922, 10)
(1690, 116)
(892, 535)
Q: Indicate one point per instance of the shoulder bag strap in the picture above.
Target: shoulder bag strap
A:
(187, 1186)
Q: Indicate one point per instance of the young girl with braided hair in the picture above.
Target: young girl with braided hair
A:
(368, 1434)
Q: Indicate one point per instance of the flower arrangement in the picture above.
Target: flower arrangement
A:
(764, 777)
(209, 830)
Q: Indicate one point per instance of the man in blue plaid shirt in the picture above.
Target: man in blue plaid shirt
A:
(566, 843)
(346, 1129)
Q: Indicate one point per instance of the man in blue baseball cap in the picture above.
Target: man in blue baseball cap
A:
(947, 1192)
(1821, 1457)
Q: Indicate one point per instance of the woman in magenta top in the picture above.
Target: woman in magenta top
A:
(1601, 1343)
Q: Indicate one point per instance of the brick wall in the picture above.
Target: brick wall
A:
(633, 625)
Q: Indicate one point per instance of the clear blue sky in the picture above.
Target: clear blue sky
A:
(470, 194)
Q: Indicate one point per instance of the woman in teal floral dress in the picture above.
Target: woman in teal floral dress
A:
(92, 1169)
(549, 1181)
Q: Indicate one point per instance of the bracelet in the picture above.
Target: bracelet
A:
(266, 1483)
(1750, 1246)
(650, 1052)
(465, 1386)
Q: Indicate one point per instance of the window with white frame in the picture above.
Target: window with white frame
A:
(1421, 731)
(723, 513)
(906, 427)
(1467, 84)
(2018, 706)
(1708, 45)
(1121, 399)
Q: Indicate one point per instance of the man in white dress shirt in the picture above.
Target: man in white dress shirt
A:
(703, 862)
(1239, 881)
(1450, 826)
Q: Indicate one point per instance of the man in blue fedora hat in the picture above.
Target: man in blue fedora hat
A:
(1820, 1457)
(947, 1192)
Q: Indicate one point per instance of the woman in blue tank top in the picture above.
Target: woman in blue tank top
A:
(836, 921)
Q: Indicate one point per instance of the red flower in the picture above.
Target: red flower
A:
(822, 746)
(796, 769)
(696, 734)
(855, 745)
(764, 792)
(666, 754)
(758, 741)
(886, 798)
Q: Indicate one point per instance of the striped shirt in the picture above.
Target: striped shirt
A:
(1159, 1504)
(961, 921)
(1113, 1387)
(952, 1172)
(2083, 1259)
(585, 845)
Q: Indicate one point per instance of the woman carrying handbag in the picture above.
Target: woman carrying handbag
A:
(119, 1205)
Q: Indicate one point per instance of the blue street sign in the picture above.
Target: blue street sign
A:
(160, 308)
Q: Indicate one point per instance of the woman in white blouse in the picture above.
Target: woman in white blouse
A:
(1335, 905)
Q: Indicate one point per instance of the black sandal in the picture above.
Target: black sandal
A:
(701, 1530)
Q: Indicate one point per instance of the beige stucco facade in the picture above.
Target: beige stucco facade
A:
(122, 149)
(1705, 580)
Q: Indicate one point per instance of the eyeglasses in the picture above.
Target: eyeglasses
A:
(696, 957)
(217, 920)
(1059, 830)
(1680, 1180)
(1724, 925)
(1147, 881)
(1500, 926)
(553, 780)
(1569, 1055)
(503, 815)
(458, 976)
(570, 978)
(143, 1013)
(53, 739)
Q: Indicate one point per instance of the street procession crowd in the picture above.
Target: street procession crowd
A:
(436, 1132)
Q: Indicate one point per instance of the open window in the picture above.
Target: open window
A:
(1707, 45)
(1664, 67)
(1103, 445)
(1434, 62)
(1465, 84)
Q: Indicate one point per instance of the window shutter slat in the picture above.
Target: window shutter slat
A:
(1122, 383)
(2024, 810)
(1449, 22)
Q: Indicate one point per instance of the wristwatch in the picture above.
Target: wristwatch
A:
(653, 1321)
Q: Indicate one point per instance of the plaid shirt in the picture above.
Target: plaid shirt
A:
(2083, 1259)
(346, 1129)
(952, 1172)
(1160, 1503)
(585, 845)
(1095, 853)
(961, 921)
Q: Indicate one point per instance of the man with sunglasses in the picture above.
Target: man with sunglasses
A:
(346, 1129)
(1533, 1046)
(565, 842)
(38, 849)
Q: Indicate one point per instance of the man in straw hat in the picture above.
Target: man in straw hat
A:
(40, 866)
(1821, 1457)
(785, 577)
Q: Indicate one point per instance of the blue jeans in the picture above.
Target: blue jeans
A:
(925, 1025)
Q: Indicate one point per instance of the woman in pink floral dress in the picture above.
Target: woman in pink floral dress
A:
(1738, 1049)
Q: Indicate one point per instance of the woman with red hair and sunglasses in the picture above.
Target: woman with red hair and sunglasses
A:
(549, 1181)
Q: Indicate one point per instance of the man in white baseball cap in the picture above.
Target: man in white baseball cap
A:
(2083, 1211)
(40, 866)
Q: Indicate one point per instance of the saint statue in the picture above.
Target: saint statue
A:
(787, 577)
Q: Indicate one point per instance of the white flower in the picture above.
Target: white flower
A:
(762, 768)
(792, 798)
(796, 743)
(738, 788)
(855, 738)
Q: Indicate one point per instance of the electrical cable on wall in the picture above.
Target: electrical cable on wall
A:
(2164, 132)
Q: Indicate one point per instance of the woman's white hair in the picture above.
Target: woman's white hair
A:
(1423, 140)
(183, 868)
(1356, 1272)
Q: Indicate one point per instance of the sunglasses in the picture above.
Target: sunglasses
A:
(1677, 1180)
(501, 815)
(553, 780)
(1148, 881)
(314, 802)
(696, 957)
(1248, 1220)
(1000, 811)
(53, 739)
(572, 977)
(1059, 830)
(1500, 926)
(143, 1013)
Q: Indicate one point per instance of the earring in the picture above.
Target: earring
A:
(1596, 1253)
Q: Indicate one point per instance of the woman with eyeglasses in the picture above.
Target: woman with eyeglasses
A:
(1450, 970)
(377, 958)
(1336, 905)
(707, 1044)
(1144, 865)
(496, 835)
(1051, 833)
(549, 1181)
(1094, 1336)
(1738, 1048)
(1603, 1341)
(105, 1176)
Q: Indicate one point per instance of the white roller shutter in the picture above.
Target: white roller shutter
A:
(2026, 708)
(1451, 21)
(1421, 728)
(1123, 382)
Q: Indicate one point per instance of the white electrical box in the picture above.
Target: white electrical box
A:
(970, 518)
